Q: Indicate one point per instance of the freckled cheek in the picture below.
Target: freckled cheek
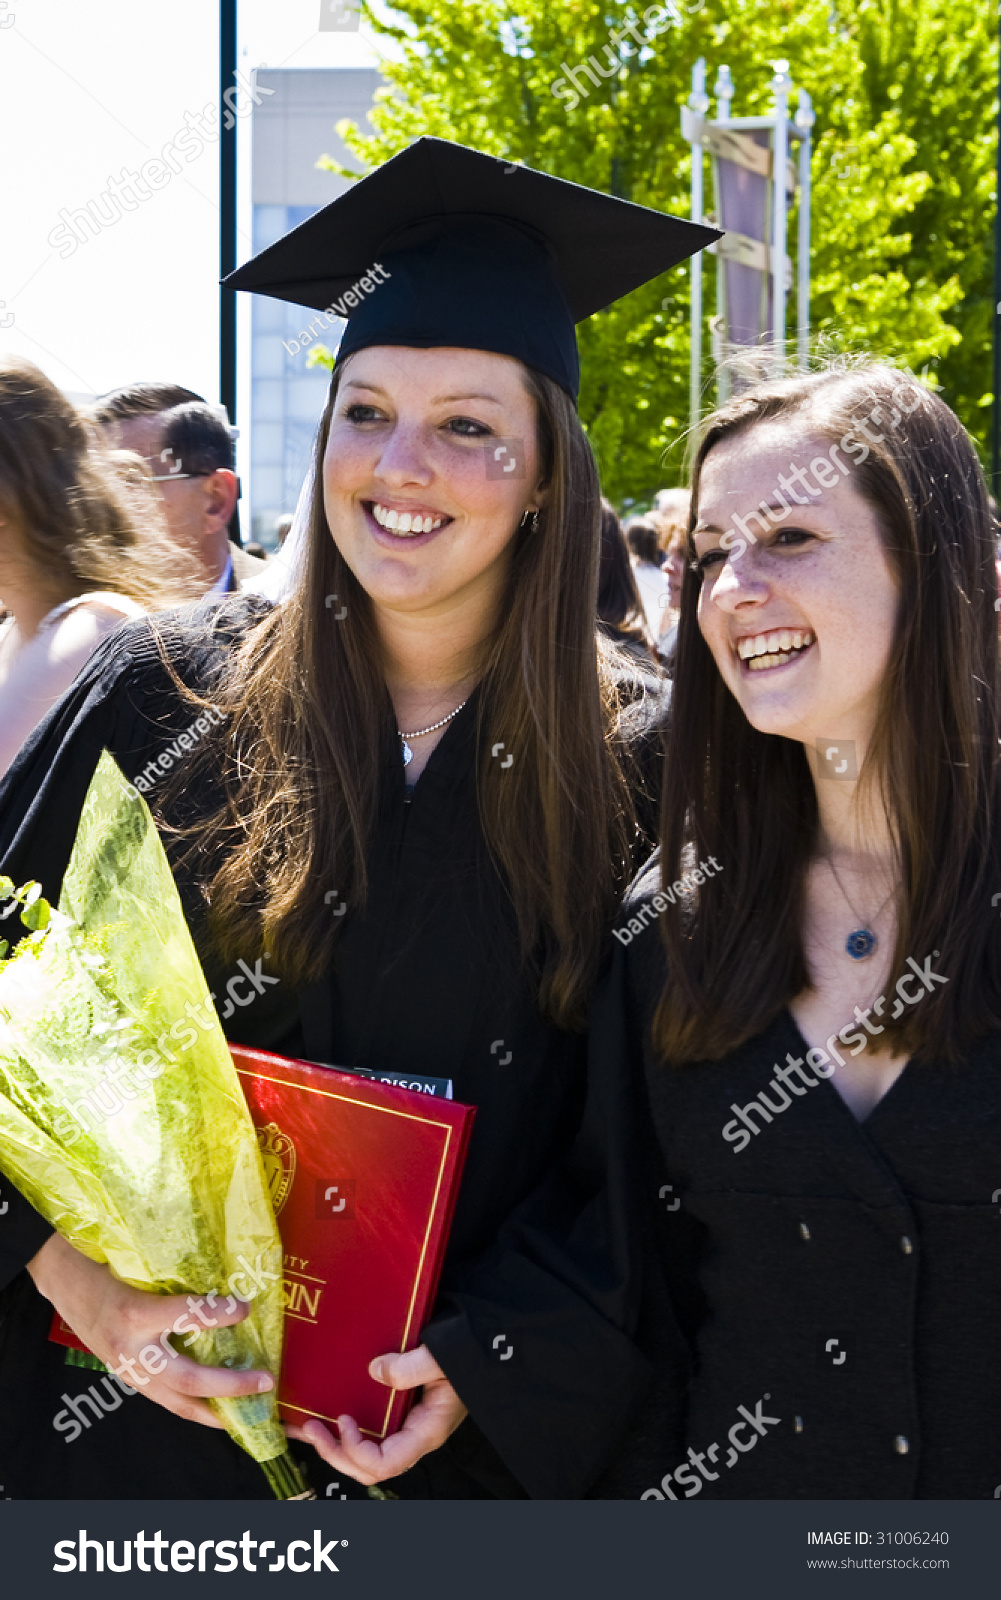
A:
(347, 468)
(483, 498)
(841, 615)
(860, 643)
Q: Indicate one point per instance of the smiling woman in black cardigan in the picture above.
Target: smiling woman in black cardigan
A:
(823, 1065)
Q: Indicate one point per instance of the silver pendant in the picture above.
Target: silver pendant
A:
(408, 754)
(861, 944)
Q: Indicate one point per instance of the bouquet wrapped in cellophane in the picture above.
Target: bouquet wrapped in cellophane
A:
(122, 1120)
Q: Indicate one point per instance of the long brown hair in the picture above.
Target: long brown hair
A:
(88, 517)
(748, 798)
(310, 715)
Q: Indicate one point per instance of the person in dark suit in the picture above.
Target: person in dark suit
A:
(820, 1023)
(188, 445)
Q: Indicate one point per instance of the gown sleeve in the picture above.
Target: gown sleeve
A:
(41, 797)
(622, 1016)
(22, 1233)
(536, 1333)
(645, 712)
(125, 701)
(539, 1335)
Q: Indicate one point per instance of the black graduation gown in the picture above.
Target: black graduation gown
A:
(839, 1281)
(428, 980)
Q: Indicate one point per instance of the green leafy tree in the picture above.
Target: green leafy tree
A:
(904, 95)
(935, 64)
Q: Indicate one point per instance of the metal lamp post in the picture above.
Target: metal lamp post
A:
(780, 86)
(752, 181)
(995, 429)
(698, 102)
(227, 208)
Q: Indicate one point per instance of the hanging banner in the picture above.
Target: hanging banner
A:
(753, 183)
(743, 206)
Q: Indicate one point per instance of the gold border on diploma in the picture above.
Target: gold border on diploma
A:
(389, 1111)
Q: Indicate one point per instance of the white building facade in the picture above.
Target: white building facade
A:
(292, 128)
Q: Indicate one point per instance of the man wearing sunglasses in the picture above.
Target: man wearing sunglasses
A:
(188, 446)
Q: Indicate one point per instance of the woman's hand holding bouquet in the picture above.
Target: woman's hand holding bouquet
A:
(118, 1323)
(125, 1126)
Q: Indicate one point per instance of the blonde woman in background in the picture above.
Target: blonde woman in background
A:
(83, 547)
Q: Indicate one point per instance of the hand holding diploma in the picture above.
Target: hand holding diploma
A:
(428, 1425)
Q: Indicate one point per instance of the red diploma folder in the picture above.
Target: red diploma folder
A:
(363, 1177)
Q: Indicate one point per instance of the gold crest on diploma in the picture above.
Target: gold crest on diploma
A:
(278, 1156)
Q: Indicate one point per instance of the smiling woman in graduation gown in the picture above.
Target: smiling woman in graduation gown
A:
(820, 1027)
(444, 590)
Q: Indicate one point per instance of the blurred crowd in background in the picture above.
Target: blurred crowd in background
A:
(639, 583)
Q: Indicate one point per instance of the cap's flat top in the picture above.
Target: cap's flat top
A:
(601, 247)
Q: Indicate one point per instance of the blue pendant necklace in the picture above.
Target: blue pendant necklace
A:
(862, 941)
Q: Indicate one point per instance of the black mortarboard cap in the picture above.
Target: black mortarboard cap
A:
(474, 252)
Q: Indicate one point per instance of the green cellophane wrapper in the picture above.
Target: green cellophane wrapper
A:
(166, 1183)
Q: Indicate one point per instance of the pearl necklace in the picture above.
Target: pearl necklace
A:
(418, 733)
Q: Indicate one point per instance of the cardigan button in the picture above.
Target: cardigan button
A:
(804, 1231)
(905, 1245)
(901, 1445)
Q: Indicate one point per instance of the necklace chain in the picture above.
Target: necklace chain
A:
(420, 732)
(851, 906)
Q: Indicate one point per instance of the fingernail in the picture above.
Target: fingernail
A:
(375, 1370)
(265, 1382)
